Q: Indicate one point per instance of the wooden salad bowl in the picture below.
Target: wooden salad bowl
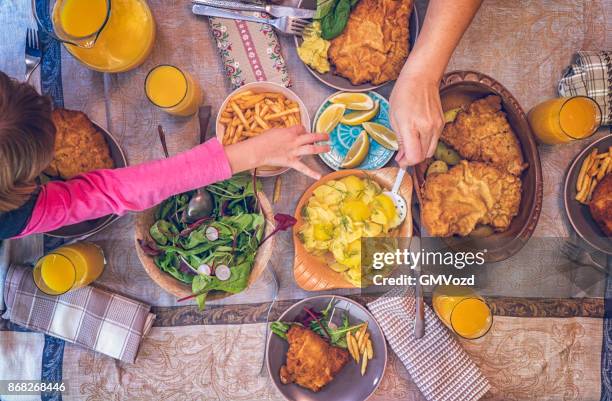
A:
(145, 220)
(460, 88)
(311, 272)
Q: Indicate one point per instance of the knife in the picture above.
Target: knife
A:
(204, 113)
(274, 10)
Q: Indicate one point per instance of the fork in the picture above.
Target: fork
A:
(262, 371)
(577, 254)
(288, 25)
(33, 54)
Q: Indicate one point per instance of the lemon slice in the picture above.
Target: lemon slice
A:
(330, 118)
(360, 117)
(358, 151)
(382, 135)
(353, 101)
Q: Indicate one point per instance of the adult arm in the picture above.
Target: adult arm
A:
(416, 111)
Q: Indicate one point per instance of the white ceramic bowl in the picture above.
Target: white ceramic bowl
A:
(264, 86)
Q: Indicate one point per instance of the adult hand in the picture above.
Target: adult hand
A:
(416, 116)
(278, 147)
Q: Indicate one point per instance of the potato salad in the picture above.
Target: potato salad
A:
(338, 215)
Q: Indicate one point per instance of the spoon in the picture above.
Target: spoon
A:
(401, 209)
(201, 204)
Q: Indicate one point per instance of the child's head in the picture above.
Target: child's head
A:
(27, 136)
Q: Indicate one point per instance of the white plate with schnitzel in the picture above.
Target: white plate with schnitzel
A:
(361, 58)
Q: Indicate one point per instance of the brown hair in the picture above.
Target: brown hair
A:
(27, 137)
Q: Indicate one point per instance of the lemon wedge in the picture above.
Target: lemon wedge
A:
(382, 135)
(358, 151)
(360, 117)
(353, 101)
(330, 118)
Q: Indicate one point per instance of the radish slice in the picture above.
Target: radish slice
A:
(212, 234)
(222, 272)
(204, 269)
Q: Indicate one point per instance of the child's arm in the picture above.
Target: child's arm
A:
(103, 192)
(135, 188)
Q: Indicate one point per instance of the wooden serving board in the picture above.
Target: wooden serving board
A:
(311, 273)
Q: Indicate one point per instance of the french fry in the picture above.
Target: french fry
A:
(591, 188)
(364, 365)
(369, 349)
(586, 187)
(361, 331)
(603, 168)
(586, 165)
(281, 113)
(352, 346)
(261, 122)
(362, 344)
(264, 110)
(239, 113)
(243, 94)
(277, 189)
(252, 101)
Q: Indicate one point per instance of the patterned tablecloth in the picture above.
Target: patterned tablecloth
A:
(543, 345)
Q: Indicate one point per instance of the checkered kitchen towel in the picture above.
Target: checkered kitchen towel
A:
(590, 75)
(438, 365)
(93, 318)
(250, 52)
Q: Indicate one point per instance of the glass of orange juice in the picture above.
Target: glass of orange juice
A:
(565, 119)
(68, 268)
(173, 90)
(463, 311)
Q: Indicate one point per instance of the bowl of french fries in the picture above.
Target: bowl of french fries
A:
(587, 171)
(255, 108)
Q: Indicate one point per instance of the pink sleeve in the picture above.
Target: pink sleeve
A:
(102, 192)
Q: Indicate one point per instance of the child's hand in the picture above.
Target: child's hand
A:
(279, 147)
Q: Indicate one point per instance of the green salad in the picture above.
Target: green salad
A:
(216, 252)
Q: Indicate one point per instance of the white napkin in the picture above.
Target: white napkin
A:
(438, 365)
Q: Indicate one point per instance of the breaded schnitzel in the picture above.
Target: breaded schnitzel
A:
(601, 204)
(470, 193)
(311, 362)
(482, 133)
(374, 44)
(79, 146)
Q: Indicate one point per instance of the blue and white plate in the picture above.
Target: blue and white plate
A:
(342, 137)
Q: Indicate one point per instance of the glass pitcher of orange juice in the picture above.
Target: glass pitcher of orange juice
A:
(462, 310)
(68, 268)
(565, 119)
(107, 36)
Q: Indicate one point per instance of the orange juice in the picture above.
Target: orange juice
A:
(124, 42)
(69, 267)
(173, 90)
(565, 119)
(83, 18)
(462, 310)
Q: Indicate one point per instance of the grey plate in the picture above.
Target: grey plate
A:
(91, 227)
(578, 214)
(343, 84)
(348, 385)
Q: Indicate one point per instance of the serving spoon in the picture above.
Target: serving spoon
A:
(201, 204)
(398, 201)
(401, 208)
